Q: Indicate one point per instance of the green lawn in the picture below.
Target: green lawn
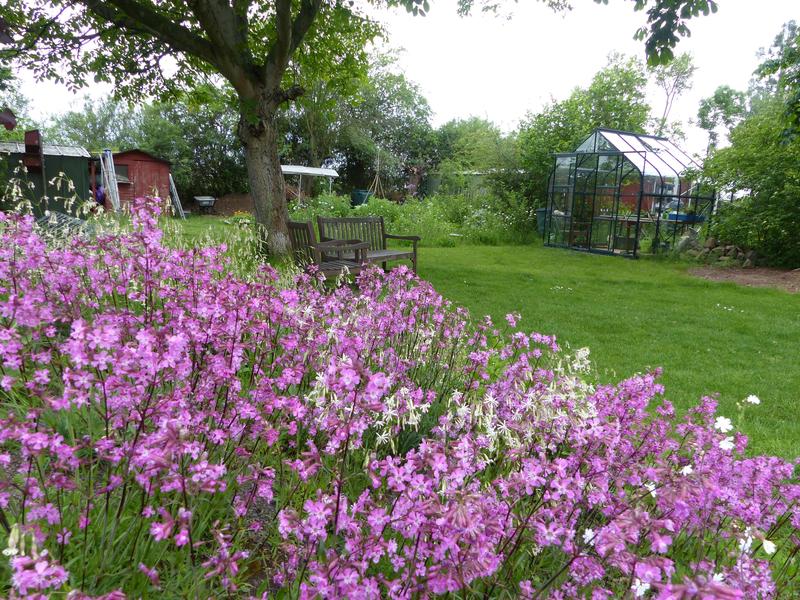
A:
(710, 338)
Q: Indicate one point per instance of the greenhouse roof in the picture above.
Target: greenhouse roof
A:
(650, 154)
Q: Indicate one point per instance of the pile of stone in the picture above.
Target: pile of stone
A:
(712, 251)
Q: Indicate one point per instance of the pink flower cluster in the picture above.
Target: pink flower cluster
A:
(167, 427)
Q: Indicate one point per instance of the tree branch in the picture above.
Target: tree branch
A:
(289, 35)
(279, 52)
(138, 16)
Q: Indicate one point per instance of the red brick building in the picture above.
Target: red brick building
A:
(141, 174)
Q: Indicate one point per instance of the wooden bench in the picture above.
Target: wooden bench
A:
(372, 231)
(331, 257)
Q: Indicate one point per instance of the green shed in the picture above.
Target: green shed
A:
(46, 173)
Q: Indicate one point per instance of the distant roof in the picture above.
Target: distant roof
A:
(313, 171)
(153, 156)
(47, 149)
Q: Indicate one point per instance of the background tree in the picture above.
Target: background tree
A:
(96, 125)
(388, 123)
(468, 146)
(780, 70)
(313, 121)
(674, 79)
(251, 43)
(15, 104)
(760, 168)
(723, 109)
(197, 135)
(616, 98)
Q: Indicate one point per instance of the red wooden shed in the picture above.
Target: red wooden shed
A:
(139, 173)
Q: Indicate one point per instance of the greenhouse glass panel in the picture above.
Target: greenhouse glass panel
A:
(624, 193)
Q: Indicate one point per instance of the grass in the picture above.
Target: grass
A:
(710, 338)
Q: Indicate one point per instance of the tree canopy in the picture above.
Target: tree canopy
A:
(615, 99)
(256, 45)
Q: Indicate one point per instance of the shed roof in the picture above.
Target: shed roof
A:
(148, 154)
(313, 171)
(47, 149)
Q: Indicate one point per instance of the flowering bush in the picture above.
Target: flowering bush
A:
(168, 428)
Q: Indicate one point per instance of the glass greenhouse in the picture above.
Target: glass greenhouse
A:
(624, 193)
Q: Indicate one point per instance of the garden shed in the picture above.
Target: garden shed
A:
(43, 166)
(624, 193)
(139, 174)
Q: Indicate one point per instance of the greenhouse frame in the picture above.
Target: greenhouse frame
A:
(624, 193)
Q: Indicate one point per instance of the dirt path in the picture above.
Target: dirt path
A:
(758, 277)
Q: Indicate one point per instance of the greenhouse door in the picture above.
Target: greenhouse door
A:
(580, 234)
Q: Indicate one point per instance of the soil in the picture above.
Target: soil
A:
(758, 277)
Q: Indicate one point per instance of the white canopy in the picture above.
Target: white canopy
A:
(312, 171)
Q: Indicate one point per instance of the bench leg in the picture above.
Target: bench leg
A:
(414, 263)
(385, 266)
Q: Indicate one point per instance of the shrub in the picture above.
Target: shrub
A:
(770, 226)
(439, 220)
(168, 428)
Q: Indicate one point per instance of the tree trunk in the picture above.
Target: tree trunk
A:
(266, 181)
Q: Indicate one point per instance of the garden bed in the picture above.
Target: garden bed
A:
(759, 277)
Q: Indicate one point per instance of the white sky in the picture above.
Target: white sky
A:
(497, 68)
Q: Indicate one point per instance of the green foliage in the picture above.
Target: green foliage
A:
(388, 123)
(724, 108)
(312, 123)
(766, 166)
(98, 124)
(197, 135)
(474, 148)
(443, 220)
(762, 161)
(674, 79)
(12, 99)
(614, 99)
(781, 69)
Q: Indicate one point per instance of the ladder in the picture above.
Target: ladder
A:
(108, 176)
(176, 201)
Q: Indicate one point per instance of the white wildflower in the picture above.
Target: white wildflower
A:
(746, 542)
(651, 487)
(769, 547)
(726, 444)
(752, 399)
(718, 577)
(687, 470)
(723, 424)
(640, 588)
(588, 536)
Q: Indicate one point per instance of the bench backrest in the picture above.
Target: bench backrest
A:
(366, 229)
(301, 235)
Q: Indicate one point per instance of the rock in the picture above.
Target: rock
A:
(748, 264)
(726, 260)
(710, 243)
(704, 252)
(684, 244)
(716, 252)
(751, 255)
(729, 251)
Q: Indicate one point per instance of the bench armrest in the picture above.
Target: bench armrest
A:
(410, 238)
